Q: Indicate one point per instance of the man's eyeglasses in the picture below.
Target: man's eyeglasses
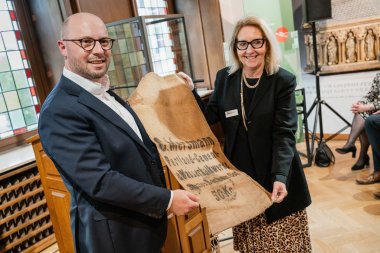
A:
(88, 44)
(256, 44)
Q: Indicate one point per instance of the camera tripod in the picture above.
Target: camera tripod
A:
(318, 102)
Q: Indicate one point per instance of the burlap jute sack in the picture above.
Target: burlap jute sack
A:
(173, 120)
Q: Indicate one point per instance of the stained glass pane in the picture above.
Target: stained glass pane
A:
(2, 47)
(5, 124)
(3, 108)
(25, 63)
(11, 100)
(3, 5)
(20, 44)
(17, 119)
(123, 46)
(112, 65)
(30, 115)
(6, 23)
(35, 100)
(20, 78)
(140, 3)
(6, 81)
(32, 127)
(10, 5)
(15, 25)
(30, 82)
(25, 97)
(4, 65)
(10, 40)
(15, 60)
(125, 59)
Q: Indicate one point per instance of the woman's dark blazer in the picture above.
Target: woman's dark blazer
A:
(272, 123)
(116, 182)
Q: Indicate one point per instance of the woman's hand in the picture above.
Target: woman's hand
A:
(359, 107)
(187, 79)
(279, 192)
(377, 112)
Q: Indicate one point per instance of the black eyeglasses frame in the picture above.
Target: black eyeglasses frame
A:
(251, 43)
(94, 43)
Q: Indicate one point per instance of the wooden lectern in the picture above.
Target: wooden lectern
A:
(186, 234)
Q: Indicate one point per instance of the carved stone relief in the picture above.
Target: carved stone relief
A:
(345, 45)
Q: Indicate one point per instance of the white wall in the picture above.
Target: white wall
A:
(339, 91)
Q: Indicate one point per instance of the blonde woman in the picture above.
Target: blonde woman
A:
(254, 102)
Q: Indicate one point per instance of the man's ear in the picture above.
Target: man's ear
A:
(62, 47)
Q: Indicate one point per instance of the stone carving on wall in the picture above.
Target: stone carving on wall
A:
(369, 46)
(344, 46)
(332, 51)
(350, 47)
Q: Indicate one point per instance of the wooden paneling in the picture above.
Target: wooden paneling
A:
(47, 21)
(57, 197)
(213, 38)
(190, 10)
(110, 10)
(205, 36)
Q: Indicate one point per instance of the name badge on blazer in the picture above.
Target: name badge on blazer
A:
(231, 113)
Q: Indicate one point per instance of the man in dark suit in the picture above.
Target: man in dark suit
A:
(372, 128)
(103, 153)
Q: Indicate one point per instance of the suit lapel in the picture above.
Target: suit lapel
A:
(144, 134)
(95, 104)
(235, 80)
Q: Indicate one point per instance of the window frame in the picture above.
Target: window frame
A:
(37, 68)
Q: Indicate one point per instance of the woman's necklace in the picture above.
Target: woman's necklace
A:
(243, 113)
(247, 84)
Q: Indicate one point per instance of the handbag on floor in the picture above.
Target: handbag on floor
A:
(324, 157)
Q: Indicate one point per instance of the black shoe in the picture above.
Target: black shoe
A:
(347, 150)
(361, 163)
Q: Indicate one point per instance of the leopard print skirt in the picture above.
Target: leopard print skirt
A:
(289, 234)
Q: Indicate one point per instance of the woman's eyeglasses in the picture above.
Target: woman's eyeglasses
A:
(256, 44)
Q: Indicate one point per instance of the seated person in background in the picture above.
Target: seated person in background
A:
(363, 108)
(372, 126)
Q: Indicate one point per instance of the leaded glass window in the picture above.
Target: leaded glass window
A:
(152, 7)
(161, 44)
(19, 105)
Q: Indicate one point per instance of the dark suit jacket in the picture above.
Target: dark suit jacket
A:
(118, 203)
(273, 123)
